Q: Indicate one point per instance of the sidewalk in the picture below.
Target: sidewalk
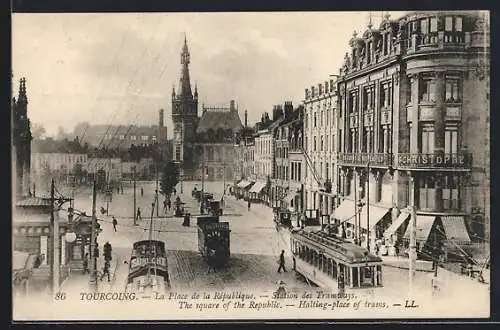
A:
(78, 282)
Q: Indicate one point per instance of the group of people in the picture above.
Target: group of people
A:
(107, 249)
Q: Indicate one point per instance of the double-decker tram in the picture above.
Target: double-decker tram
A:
(333, 263)
(148, 268)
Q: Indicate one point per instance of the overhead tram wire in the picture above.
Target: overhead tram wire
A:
(158, 56)
(118, 52)
(138, 66)
(135, 102)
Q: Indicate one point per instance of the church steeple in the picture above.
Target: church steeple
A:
(22, 98)
(185, 83)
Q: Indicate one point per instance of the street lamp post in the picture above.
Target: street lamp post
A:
(368, 204)
(360, 205)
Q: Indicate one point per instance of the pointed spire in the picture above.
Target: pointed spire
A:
(370, 20)
(22, 98)
(196, 90)
(185, 83)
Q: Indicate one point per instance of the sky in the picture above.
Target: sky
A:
(120, 68)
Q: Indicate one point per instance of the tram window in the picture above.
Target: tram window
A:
(355, 277)
(366, 276)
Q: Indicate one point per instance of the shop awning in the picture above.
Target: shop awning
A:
(243, 184)
(396, 224)
(345, 210)
(376, 214)
(257, 187)
(455, 229)
(290, 196)
(424, 226)
(19, 259)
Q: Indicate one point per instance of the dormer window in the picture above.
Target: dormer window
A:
(458, 24)
(448, 23)
(424, 28)
(433, 24)
(368, 52)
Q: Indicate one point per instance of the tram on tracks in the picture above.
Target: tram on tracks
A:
(148, 268)
(213, 240)
(333, 263)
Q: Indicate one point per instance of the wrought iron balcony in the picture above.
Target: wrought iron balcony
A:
(362, 159)
(461, 160)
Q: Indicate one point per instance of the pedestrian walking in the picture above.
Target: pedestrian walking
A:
(169, 204)
(107, 249)
(211, 261)
(138, 217)
(175, 191)
(249, 204)
(121, 189)
(115, 222)
(282, 262)
(142, 191)
(86, 263)
(105, 271)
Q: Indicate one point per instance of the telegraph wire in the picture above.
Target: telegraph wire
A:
(118, 52)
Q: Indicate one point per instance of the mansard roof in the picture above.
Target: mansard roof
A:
(215, 120)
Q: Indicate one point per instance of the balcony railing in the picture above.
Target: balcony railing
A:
(460, 160)
(363, 158)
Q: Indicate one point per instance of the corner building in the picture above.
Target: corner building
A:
(413, 129)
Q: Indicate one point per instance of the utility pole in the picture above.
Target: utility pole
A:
(156, 169)
(93, 241)
(413, 234)
(368, 203)
(202, 178)
(224, 177)
(133, 213)
(55, 242)
(356, 206)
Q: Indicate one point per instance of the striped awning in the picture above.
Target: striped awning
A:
(376, 214)
(243, 184)
(257, 187)
(454, 227)
(345, 210)
(424, 226)
(34, 202)
(396, 224)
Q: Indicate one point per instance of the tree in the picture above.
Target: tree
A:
(169, 179)
(38, 131)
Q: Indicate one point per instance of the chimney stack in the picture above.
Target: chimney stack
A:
(246, 118)
(231, 106)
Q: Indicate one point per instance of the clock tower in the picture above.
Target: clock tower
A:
(184, 116)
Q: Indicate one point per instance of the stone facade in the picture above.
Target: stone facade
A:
(319, 153)
(413, 121)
